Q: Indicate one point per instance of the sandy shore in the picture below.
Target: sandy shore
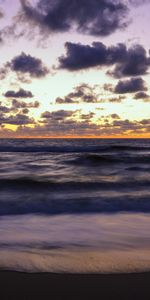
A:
(47, 286)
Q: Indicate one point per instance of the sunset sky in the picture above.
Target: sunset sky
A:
(75, 68)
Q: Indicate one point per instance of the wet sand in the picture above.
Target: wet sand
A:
(48, 286)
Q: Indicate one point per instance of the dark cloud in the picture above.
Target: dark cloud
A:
(25, 111)
(81, 93)
(19, 94)
(115, 116)
(13, 114)
(3, 72)
(132, 127)
(57, 115)
(116, 99)
(21, 104)
(107, 126)
(141, 95)
(125, 124)
(18, 119)
(76, 123)
(87, 116)
(145, 122)
(94, 17)
(80, 56)
(1, 14)
(108, 87)
(129, 62)
(27, 64)
(135, 63)
(67, 122)
(130, 86)
(65, 100)
(4, 109)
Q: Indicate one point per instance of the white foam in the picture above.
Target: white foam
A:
(83, 244)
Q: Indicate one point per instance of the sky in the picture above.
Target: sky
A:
(75, 68)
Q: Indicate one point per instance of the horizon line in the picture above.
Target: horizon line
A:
(76, 137)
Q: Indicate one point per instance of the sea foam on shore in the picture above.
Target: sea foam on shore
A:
(95, 243)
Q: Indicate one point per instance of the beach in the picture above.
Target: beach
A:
(44, 286)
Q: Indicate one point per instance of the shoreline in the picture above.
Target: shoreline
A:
(46, 286)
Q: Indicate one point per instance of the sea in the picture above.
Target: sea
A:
(75, 205)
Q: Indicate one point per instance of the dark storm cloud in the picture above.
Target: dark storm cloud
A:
(128, 62)
(27, 64)
(141, 95)
(130, 86)
(94, 17)
(19, 94)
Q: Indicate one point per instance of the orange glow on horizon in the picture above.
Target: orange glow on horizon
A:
(134, 136)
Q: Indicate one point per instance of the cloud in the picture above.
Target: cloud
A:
(27, 64)
(3, 72)
(128, 62)
(25, 111)
(139, 2)
(80, 56)
(88, 116)
(21, 104)
(135, 63)
(65, 100)
(68, 126)
(130, 86)
(141, 95)
(116, 99)
(115, 116)
(132, 127)
(93, 17)
(67, 122)
(81, 93)
(18, 119)
(72, 123)
(108, 87)
(19, 94)
(14, 114)
(57, 115)
(4, 109)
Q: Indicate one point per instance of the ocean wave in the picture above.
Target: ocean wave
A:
(71, 148)
(95, 159)
(19, 203)
(72, 185)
